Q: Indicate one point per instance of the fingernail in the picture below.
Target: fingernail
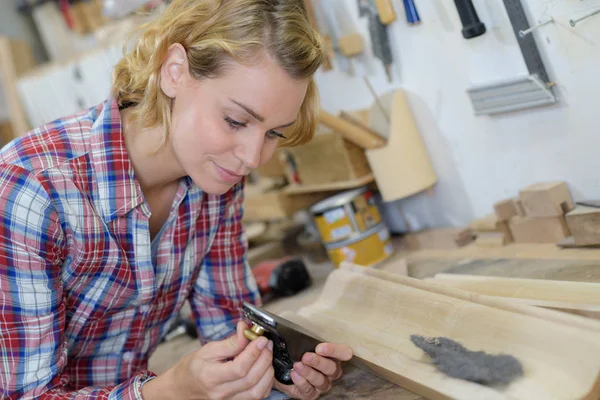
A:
(270, 345)
(262, 342)
(321, 348)
(309, 357)
(298, 366)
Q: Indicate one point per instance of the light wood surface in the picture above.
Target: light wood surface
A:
(403, 167)
(581, 298)
(294, 189)
(376, 312)
(584, 224)
(546, 199)
(353, 133)
(16, 58)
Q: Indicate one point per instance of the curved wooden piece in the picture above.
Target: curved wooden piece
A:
(403, 167)
(376, 312)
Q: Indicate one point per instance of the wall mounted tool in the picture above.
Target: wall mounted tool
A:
(472, 26)
(412, 15)
(385, 8)
(379, 36)
(530, 91)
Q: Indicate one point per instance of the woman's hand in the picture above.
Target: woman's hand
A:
(315, 374)
(229, 369)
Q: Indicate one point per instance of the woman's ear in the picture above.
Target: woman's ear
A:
(173, 70)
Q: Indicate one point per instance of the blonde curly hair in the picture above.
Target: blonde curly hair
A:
(213, 33)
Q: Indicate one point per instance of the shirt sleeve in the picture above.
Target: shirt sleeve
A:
(225, 279)
(33, 348)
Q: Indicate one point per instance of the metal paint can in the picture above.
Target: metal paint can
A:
(368, 249)
(346, 215)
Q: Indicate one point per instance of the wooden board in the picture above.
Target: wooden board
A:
(538, 230)
(546, 199)
(295, 189)
(491, 239)
(584, 224)
(581, 298)
(402, 167)
(560, 352)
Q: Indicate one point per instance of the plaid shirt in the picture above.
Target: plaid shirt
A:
(85, 294)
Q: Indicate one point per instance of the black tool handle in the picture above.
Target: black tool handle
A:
(472, 26)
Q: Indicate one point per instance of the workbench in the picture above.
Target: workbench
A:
(515, 260)
(532, 261)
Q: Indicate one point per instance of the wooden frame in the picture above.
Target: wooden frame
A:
(376, 312)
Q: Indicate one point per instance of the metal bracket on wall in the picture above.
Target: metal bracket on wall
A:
(521, 93)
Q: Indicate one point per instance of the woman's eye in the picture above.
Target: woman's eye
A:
(234, 124)
(273, 134)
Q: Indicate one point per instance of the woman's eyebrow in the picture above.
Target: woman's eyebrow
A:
(256, 115)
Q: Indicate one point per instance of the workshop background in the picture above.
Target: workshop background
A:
(455, 136)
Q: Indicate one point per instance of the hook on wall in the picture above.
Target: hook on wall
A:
(574, 22)
(533, 28)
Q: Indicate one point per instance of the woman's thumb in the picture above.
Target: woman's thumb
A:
(232, 346)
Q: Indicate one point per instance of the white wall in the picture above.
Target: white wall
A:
(484, 159)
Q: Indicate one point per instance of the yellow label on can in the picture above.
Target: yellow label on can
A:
(368, 251)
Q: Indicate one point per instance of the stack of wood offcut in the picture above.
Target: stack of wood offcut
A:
(584, 224)
(537, 215)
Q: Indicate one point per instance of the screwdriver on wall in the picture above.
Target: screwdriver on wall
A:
(412, 16)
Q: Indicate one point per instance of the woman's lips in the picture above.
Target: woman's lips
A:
(227, 175)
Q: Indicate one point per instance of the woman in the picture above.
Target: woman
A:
(116, 216)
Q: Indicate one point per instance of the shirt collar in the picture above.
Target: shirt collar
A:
(118, 190)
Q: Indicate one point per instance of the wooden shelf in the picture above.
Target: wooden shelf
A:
(329, 187)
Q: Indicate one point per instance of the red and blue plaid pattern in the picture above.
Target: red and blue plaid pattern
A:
(85, 294)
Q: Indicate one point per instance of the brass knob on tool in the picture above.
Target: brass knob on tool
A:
(254, 332)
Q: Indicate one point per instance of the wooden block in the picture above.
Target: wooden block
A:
(546, 199)
(584, 224)
(538, 230)
(491, 239)
(464, 237)
(486, 224)
(519, 207)
(505, 209)
(351, 45)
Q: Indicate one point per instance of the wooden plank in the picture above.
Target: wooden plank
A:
(441, 238)
(505, 209)
(538, 230)
(516, 251)
(584, 224)
(582, 298)
(491, 239)
(546, 199)
(16, 58)
(560, 352)
(295, 189)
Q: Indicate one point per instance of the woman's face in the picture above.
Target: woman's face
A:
(223, 128)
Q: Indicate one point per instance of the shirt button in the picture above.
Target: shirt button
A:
(127, 356)
(144, 308)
